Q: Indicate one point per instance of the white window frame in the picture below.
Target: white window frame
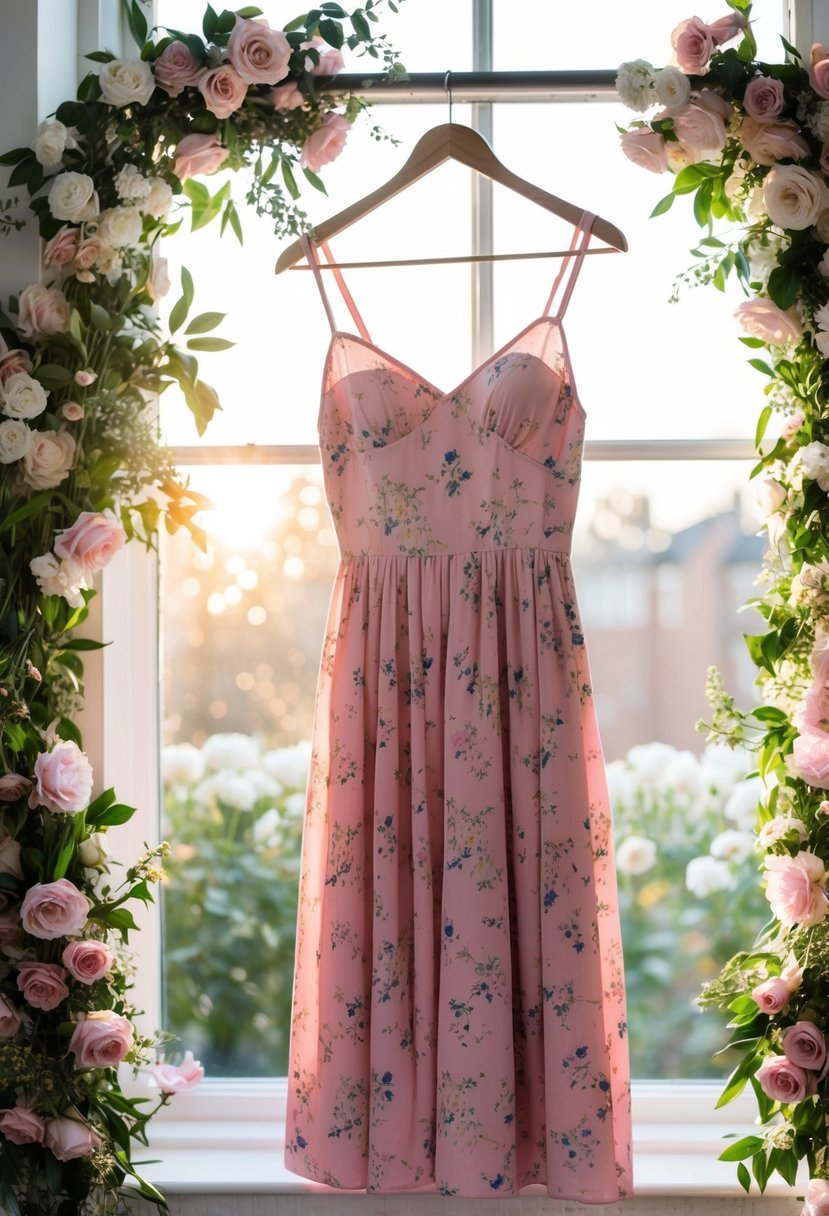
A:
(229, 1134)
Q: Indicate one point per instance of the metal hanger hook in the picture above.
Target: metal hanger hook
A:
(448, 88)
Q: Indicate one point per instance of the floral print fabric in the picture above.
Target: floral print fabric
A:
(459, 1017)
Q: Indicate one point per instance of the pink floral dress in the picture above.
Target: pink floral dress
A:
(459, 1013)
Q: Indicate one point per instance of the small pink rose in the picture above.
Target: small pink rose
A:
(728, 27)
(54, 909)
(804, 1045)
(85, 378)
(287, 96)
(63, 776)
(101, 1039)
(87, 961)
(199, 154)
(259, 54)
(817, 1198)
(9, 855)
(764, 320)
(62, 248)
(813, 714)
(792, 424)
(771, 496)
(769, 142)
(783, 1081)
(330, 60)
(158, 280)
(809, 759)
(13, 786)
(10, 933)
(88, 253)
(92, 541)
(12, 362)
(43, 984)
(819, 70)
(21, 1125)
(795, 888)
(42, 311)
(10, 1018)
(646, 148)
(764, 98)
(772, 996)
(223, 91)
(326, 143)
(71, 411)
(693, 45)
(177, 68)
(70, 1138)
(172, 1079)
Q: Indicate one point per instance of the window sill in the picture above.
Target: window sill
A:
(230, 1135)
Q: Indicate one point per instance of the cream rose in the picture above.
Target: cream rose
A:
(159, 199)
(259, 54)
(15, 440)
(158, 280)
(769, 142)
(700, 131)
(761, 318)
(93, 852)
(72, 197)
(125, 82)
(101, 1039)
(50, 143)
(23, 398)
(120, 226)
(673, 88)
(43, 311)
(793, 197)
(49, 460)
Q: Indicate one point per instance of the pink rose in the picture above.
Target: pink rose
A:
(54, 909)
(769, 142)
(764, 98)
(804, 1045)
(173, 1080)
(63, 776)
(709, 100)
(326, 143)
(9, 855)
(645, 148)
(199, 154)
(70, 1138)
(85, 378)
(794, 888)
(177, 68)
(13, 786)
(223, 91)
(792, 424)
(101, 1039)
(12, 362)
(693, 45)
(42, 311)
(772, 996)
(71, 411)
(809, 759)
(783, 1081)
(259, 54)
(61, 249)
(92, 541)
(813, 714)
(10, 933)
(819, 70)
(817, 1198)
(21, 1125)
(10, 1018)
(330, 60)
(49, 459)
(764, 320)
(87, 960)
(701, 132)
(88, 253)
(43, 984)
(728, 27)
(287, 96)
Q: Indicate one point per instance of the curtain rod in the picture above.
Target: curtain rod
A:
(430, 87)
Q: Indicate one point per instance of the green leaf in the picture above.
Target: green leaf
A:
(83, 644)
(762, 423)
(16, 154)
(753, 343)
(35, 506)
(114, 815)
(315, 181)
(232, 215)
(210, 23)
(784, 286)
(744, 1177)
(250, 10)
(791, 50)
(69, 731)
(52, 375)
(332, 32)
(214, 344)
(663, 205)
(204, 322)
(101, 803)
(361, 26)
(19, 176)
(739, 1078)
(136, 21)
(197, 192)
(63, 859)
(100, 56)
(741, 1149)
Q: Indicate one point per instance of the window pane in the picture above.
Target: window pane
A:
(664, 555)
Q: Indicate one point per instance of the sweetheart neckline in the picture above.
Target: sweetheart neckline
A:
(444, 397)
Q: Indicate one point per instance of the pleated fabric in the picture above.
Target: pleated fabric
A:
(459, 1015)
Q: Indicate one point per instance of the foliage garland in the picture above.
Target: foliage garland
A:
(750, 142)
(82, 473)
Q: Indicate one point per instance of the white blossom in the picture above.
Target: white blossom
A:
(635, 855)
(741, 807)
(635, 84)
(732, 845)
(59, 577)
(289, 765)
(234, 790)
(130, 184)
(779, 828)
(230, 751)
(814, 460)
(705, 875)
(181, 763)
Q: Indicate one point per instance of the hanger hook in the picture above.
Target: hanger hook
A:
(448, 89)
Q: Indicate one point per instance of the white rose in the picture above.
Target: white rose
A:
(108, 260)
(634, 84)
(72, 197)
(673, 88)
(741, 807)
(234, 790)
(635, 855)
(289, 765)
(23, 397)
(159, 198)
(93, 852)
(15, 440)
(777, 829)
(814, 460)
(56, 577)
(120, 226)
(230, 751)
(50, 143)
(731, 845)
(181, 763)
(126, 81)
(793, 197)
(158, 281)
(49, 460)
(130, 184)
(705, 875)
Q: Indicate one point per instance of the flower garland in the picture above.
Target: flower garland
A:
(81, 474)
(750, 142)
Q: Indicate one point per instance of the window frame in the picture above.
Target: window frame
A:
(231, 1131)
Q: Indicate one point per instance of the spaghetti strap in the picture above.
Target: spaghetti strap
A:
(578, 248)
(313, 261)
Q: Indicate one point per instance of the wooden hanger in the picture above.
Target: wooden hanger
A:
(452, 141)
